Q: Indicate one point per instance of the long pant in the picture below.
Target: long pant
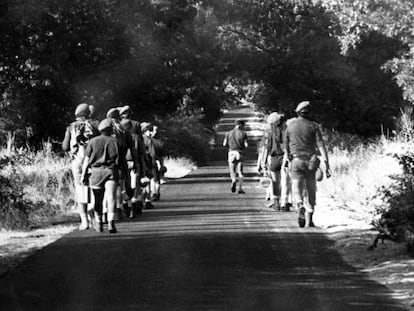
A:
(303, 181)
(286, 186)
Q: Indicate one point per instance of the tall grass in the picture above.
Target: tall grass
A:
(40, 185)
(359, 168)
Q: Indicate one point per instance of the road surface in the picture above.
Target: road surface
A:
(201, 248)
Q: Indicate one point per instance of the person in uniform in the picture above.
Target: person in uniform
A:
(133, 201)
(150, 163)
(274, 152)
(77, 136)
(125, 144)
(159, 162)
(303, 146)
(236, 141)
(102, 158)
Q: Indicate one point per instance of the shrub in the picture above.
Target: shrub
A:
(34, 186)
(14, 212)
(185, 136)
(395, 217)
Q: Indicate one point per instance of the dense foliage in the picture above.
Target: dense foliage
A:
(353, 59)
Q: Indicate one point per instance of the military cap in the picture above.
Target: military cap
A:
(113, 113)
(82, 110)
(303, 105)
(274, 117)
(145, 126)
(105, 124)
(124, 109)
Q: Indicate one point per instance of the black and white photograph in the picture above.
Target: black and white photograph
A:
(186, 155)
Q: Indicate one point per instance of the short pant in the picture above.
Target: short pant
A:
(235, 156)
(99, 176)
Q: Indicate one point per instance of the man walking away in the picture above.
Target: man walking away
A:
(102, 157)
(77, 135)
(236, 141)
(303, 145)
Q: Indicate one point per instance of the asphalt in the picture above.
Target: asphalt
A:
(201, 248)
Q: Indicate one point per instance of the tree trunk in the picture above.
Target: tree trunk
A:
(11, 146)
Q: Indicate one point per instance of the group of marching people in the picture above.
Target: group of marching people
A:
(119, 160)
(289, 154)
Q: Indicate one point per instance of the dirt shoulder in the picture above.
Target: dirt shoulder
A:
(388, 264)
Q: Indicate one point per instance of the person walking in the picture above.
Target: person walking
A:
(273, 157)
(77, 136)
(236, 141)
(132, 204)
(150, 163)
(159, 162)
(303, 145)
(102, 158)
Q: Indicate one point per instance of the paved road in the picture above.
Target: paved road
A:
(202, 248)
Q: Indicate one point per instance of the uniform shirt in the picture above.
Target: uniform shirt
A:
(275, 145)
(235, 139)
(303, 137)
(103, 152)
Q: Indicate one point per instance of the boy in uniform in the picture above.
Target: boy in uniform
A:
(77, 136)
(236, 141)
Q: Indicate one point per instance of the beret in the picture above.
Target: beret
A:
(274, 117)
(124, 109)
(302, 105)
(82, 110)
(104, 125)
(145, 126)
(113, 113)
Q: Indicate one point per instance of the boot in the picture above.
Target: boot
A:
(137, 208)
(276, 204)
(301, 217)
(98, 225)
(309, 219)
(111, 227)
(126, 209)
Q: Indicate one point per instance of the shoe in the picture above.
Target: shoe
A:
(111, 227)
(276, 206)
(301, 218)
(98, 226)
(148, 205)
(287, 207)
(312, 225)
(270, 205)
(137, 207)
(233, 187)
(126, 210)
(83, 227)
(241, 191)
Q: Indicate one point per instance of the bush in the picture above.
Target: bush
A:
(395, 218)
(14, 212)
(185, 136)
(34, 186)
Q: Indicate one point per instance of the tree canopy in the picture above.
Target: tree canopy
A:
(353, 59)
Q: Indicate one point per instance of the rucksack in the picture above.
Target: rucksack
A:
(81, 132)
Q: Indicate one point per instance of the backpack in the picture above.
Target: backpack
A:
(81, 131)
(277, 142)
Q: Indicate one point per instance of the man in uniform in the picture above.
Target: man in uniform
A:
(236, 141)
(303, 145)
(77, 135)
